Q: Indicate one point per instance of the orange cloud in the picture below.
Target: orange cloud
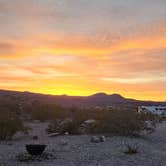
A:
(77, 64)
(77, 45)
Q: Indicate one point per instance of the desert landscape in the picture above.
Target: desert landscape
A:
(78, 150)
(80, 135)
(82, 82)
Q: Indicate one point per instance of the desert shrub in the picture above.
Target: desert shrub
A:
(53, 127)
(79, 116)
(71, 124)
(10, 124)
(131, 149)
(150, 121)
(116, 122)
(45, 112)
(9, 104)
(126, 123)
(72, 127)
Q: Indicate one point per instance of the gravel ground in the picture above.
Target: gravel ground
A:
(79, 151)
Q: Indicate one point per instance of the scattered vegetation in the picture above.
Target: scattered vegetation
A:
(25, 157)
(10, 124)
(71, 124)
(131, 149)
(125, 123)
(44, 112)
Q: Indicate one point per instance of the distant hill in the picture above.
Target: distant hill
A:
(99, 99)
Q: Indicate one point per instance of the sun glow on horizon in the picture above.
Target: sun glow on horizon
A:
(58, 48)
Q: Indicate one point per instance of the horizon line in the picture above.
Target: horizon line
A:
(108, 94)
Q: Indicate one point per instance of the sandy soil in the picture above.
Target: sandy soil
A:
(79, 151)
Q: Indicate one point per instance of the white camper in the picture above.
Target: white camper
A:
(156, 110)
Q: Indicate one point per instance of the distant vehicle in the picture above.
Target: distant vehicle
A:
(156, 110)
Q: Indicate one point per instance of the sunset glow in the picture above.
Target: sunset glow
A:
(81, 47)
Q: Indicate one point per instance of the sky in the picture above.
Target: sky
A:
(81, 47)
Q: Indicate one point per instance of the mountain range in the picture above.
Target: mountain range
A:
(98, 99)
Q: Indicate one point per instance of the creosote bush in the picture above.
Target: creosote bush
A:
(116, 122)
(72, 127)
(10, 124)
(44, 112)
(131, 149)
(71, 124)
(125, 123)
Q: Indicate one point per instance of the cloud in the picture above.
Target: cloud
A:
(81, 47)
(6, 48)
(31, 8)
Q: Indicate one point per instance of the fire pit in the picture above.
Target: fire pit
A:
(35, 149)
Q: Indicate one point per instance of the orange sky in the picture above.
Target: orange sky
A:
(80, 48)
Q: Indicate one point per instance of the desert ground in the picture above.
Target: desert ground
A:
(78, 150)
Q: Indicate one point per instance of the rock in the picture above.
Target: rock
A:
(95, 139)
(90, 121)
(102, 138)
(86, 126)
(66, 133)
(54, 134)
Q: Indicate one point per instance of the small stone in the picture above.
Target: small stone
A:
(102, 138)
(95, 139)
(64, 142)
(66, 133)
(54, 134)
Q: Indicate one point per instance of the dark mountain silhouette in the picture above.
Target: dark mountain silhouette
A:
(105, 97)
(99, 99)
